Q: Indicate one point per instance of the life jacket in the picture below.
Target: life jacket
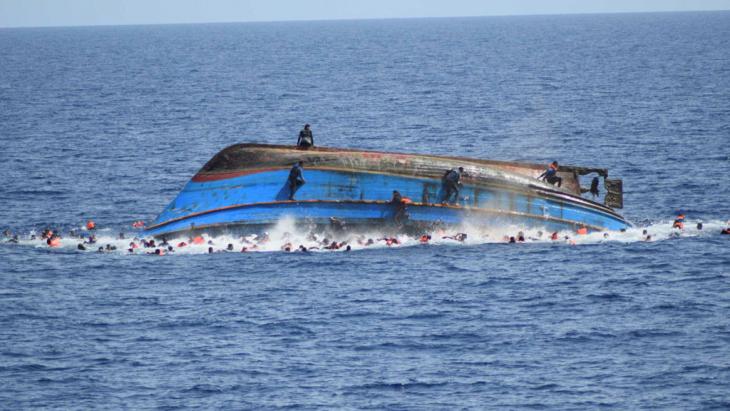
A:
(582, 231)
(424, 239)
(678, 224)
(90, 225)
(198, 240)
(554, 236)
(54, 242)
(182, 244)
(138, 224)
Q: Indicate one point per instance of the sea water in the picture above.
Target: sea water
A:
(108, 123)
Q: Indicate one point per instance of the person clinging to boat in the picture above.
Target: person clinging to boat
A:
(305, 139)
(296, 179)
(451, 183)
(400, 203)
(551, 175)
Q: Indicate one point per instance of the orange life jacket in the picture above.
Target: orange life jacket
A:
(582, 231)
(90, 225)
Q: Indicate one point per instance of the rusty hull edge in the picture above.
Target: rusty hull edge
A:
(238, 158)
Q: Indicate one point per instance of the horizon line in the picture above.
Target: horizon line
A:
(367, 18)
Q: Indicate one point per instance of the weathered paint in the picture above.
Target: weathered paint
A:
(256, 192)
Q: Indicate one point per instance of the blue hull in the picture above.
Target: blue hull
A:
(260, 198)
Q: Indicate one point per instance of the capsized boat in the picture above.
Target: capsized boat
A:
(246, 186)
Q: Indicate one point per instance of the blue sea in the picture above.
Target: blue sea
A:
(108, 123)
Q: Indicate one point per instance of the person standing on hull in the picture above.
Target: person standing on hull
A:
(305, 139)
(551, 175)
(296, 179)
(451, 183)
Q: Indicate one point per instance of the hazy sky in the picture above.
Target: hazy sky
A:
(19, 13)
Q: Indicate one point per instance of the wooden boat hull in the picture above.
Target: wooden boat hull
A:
(246, 186)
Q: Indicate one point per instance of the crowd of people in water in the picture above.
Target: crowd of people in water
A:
(337, 238)
(451, 184)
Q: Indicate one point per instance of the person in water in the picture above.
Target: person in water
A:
(679, 222)
(551, 175)
(451, 183)
(296, 179)
(458, 237)
(305, 139)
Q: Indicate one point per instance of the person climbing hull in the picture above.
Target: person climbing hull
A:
(247, 185)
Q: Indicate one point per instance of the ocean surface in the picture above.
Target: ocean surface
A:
(108, 123)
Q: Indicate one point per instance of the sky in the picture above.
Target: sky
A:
(31, 13)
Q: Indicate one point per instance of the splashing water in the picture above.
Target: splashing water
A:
(286, 236)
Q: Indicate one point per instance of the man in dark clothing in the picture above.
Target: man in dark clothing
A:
(551, 175)
(305, 139)
(400, 207)
(451, 183)
(594, 187)
(296, 179)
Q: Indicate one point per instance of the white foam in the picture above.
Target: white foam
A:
(286, 232)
